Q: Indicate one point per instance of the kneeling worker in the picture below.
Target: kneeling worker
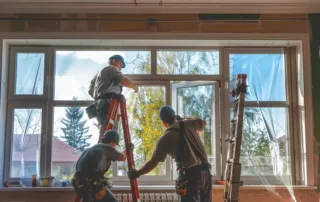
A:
(89, 181)
(194, 166)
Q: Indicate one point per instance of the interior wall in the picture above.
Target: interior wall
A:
(315, 64)
(47, 23)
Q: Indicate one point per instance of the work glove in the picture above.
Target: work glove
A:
(132, 174)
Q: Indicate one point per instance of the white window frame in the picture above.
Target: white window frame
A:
(255, 180)
(148, 180)
(215, 118)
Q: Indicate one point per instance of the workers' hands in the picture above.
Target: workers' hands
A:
(136, 88)
(132, 174)
(131, 147)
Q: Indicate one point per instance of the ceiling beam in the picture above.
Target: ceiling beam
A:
(164, 8)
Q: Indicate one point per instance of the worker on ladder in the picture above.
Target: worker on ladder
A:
(89, 182)
(104, 85)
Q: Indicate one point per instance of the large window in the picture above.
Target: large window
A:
(266, 128)
(48, 128)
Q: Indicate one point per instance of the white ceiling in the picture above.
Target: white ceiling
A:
(160, 6)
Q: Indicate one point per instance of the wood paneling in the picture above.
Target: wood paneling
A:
(140, 23)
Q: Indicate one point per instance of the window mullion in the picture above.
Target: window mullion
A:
(153, 61)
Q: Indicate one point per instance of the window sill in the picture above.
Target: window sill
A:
(157, 188)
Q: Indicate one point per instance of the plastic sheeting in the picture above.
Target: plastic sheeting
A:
(267, 131)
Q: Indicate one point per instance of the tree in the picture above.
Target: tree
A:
(146, 122)
(75, 132)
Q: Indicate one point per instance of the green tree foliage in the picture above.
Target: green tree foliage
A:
(75, 132)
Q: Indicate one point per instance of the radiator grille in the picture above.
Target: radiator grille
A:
(149, 197)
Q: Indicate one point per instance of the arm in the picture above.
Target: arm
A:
(91, 88)
(196, 123)
(122, 156)
(149, 166)
(159, 155)
(129, 84)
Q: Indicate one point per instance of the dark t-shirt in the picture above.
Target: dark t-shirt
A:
(97, 159)
(169, 141)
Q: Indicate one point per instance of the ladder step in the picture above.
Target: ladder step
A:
(235, 119)
(232, 140)
(230, 161)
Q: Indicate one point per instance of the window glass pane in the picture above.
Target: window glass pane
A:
(198, 101)
(29, 73)
(265, 73)
(188, 62)
(25, 151)
(145, 125)
(265, 142)
(73, 132)
(75, 69)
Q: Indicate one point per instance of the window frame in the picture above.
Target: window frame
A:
(9, 135)
(148, 180)
(14, 50)
(289, 90)
(47, 99)
(216, 118)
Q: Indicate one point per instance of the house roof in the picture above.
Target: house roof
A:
(61, 151)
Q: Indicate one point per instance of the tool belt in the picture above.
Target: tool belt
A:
(94, 111)
(183, 173)
(89, 185)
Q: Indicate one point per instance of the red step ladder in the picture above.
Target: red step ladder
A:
(116, 110)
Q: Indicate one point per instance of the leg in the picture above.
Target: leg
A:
(193, 187)
(102, 116)
(109, 197)
(206, 191)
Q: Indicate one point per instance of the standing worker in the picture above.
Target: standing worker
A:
(194, 182)
(104, 85)
(89, 180)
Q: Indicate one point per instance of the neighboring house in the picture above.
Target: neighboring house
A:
(27, 156)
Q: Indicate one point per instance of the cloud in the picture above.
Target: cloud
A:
(97, 56)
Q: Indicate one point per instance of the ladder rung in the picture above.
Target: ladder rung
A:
(232, 140)
(234, 119)
(230, 161)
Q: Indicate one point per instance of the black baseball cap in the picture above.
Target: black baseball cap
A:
(118, 57)
(167, 114)
(111, 135)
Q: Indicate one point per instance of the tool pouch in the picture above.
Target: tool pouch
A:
(91, 111)
(181, 183)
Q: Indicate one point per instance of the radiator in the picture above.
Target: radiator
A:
(149, 197)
